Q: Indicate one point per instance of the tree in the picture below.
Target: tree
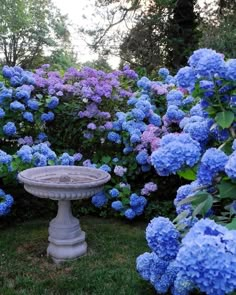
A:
(28, 29)
(99, 64)
(219, 30)
(165, 35)
(159, 32)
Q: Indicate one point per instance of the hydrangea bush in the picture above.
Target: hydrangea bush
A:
(203, 252)
(172, 125)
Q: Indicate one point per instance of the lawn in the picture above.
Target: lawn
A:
(109, 267)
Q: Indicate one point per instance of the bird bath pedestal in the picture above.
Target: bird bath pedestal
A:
(63, 184)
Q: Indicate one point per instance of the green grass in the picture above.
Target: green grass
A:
(108, 269)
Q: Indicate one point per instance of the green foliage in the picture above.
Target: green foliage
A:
(188, 174)
(225, 119)
(27, 28)
(227, 190)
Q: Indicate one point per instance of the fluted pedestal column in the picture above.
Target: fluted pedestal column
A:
(66, 239)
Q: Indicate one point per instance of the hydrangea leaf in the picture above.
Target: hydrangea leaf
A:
(181, 216)
(196, 199)
(225, 119)
(227, 190)
(204, 206)
(106, 159)
(188, 174)
(232, 225)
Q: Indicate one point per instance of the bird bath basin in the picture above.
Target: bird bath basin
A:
(63, 184)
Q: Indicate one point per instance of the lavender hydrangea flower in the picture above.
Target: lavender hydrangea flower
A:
(120, 170)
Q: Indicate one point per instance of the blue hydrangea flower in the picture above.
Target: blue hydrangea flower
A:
(114, 193)
(132, 101)
(5, 94)
(197, 111)
(163, 284)
(7, 72)
(137, 203)
(174, 113)
(22, 94)
(150, 266)
(163, 72)
(25, 154)
(129, 149)
(163, 238)
(144, 83)
(183, 192)
(213, 161)
(114, 137)
(43, 149)
(144, 105)
(2, 113)
(182, 286)
(99, 200)
(17, 106)
(39, 160)
(198, 130)
(155, 120)
(138, 114)
(129, 213)
(66, 159)
(9, 129)
(42, 136)
(5, 158)
(117, 205)
(234, 145)
(230, 167)
(176, 152)
(211, 64)
(46, 117)
(105, 168)
(135, 138)
(33, 104)
(206, 84)
(142, 157)
(207, 258)
(6, 202)
(174, 97)
(198, 54)
(186, 77)
(53, 103)
(28, 116)
(188, 100)
(231, 69)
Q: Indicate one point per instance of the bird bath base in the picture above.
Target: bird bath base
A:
(63, 184)
(66, 239)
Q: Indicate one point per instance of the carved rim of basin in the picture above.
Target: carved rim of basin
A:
(64, 177)
(63, 182)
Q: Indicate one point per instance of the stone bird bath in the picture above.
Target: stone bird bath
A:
(63, 184)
